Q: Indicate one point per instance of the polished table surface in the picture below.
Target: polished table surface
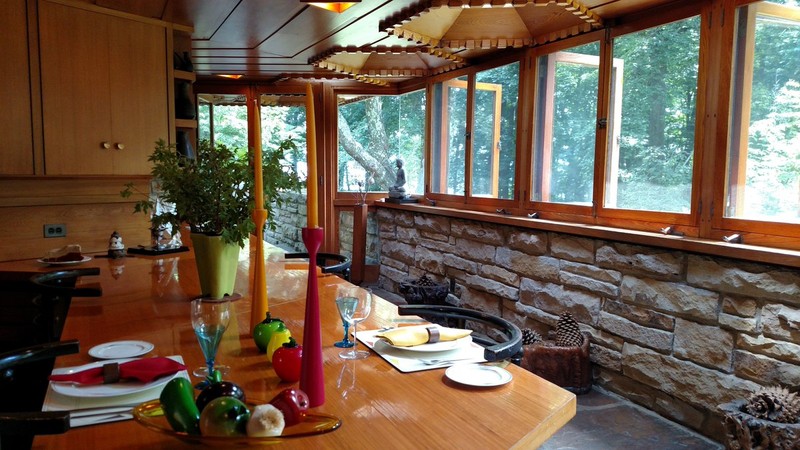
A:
(147, 298)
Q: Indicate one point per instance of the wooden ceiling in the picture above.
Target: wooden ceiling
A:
(379, 41)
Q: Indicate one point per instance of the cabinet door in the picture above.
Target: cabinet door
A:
(16, 145)
(139, 116)
(76, 100)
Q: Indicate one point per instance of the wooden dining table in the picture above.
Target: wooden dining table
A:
(147, 298)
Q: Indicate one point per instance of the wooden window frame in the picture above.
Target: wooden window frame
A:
(760, 232)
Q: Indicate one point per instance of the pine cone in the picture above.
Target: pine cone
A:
(568, 334)
(774, 403)
(530, 337)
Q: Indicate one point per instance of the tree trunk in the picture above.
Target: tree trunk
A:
(375, 160)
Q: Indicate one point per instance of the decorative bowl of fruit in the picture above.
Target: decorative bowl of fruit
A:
(221, 415)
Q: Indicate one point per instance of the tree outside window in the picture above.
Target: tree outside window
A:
(764, 155)
(651, 146)
(374, 131)
(566, 117)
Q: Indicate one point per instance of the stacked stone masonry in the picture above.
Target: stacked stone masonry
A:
(291, 216)
(676, 332)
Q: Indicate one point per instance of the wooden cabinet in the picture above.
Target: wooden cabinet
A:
(16, 128)
(104, 91)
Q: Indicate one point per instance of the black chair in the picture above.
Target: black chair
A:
(505, 344)
(33, 310)
(34, 305)
(22, 419)
(328, 263)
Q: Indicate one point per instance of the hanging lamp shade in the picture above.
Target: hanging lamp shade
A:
(337, 7)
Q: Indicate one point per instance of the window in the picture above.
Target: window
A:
(449, 137)
(374, 131)
(284, 117)
(494, 132)
(222, 119)
(566, 117)
(650, 154)
(490, 140)
(763, 172)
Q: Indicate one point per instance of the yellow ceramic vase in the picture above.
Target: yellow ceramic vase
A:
(216, 264)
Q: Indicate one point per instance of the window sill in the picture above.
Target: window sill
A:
(790, 258)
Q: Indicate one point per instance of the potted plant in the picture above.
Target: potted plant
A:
(769, 419)
(213, 194)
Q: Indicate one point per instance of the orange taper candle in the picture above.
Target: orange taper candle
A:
(311, 146)
(260, 303)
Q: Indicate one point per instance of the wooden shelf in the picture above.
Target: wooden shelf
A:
(184, 75)
(185, 123)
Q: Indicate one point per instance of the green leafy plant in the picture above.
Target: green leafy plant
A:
(214, 192)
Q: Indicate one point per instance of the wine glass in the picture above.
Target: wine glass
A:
(210, 318)
(345, 342)
(353, 309)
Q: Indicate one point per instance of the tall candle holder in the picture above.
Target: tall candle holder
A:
(311, 375)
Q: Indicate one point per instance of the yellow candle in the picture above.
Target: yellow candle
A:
(311, 145)
(257, 157)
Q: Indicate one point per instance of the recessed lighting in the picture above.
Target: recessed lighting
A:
(334, 6)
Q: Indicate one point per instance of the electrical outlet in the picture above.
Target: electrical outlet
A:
(52, 230)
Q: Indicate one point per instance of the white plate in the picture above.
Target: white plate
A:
(120, 349)
(478, 375)
(104, 390)
(64, 263)
(440, 346)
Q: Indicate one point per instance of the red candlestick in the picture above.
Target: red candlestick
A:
(311, 376)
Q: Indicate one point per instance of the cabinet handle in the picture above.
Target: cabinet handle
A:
(105, 145)
(119, 146)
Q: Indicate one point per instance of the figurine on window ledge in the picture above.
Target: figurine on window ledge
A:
(116, 249)
(397, 193)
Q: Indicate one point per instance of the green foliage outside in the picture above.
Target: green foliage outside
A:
(214, 193)
(373, 132)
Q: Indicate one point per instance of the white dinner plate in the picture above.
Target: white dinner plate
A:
(478, 375)
(120, 349)
(64, 263)
(440, 346)
(104, 390)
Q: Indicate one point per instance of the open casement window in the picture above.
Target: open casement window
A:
(486, 140)
(565, 128)
(449, 137)
(649, 160)
(763, 166)
(479, 160)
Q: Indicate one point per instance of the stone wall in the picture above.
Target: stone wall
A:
(291, 218)
(373, 252)
(676, 332)
(289, 221)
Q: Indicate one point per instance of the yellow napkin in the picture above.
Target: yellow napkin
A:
(411, 336)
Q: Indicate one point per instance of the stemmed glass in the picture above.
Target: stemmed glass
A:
(345, 342)
(210, 318)
(353, 309)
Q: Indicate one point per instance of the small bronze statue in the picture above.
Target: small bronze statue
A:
(116, 249)
(397, 192)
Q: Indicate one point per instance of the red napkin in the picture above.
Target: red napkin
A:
(145, 370)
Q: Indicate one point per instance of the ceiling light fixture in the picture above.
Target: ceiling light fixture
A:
(228, 75)
(334, 6)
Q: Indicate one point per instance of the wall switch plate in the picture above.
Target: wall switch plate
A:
(52, 230)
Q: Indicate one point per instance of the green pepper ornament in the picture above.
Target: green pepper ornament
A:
(177, 402)
(262, 333)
